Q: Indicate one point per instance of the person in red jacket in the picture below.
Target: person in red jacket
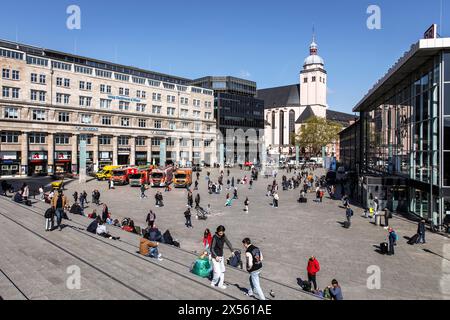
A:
(207, 240)
(313, 268)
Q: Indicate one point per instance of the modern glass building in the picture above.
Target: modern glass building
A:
(236, 108)
(405, 134)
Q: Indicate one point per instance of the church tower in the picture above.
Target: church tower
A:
(313, 82)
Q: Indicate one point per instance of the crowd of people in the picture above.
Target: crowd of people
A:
(151, 237)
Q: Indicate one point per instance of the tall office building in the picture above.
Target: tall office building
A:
(237, 110)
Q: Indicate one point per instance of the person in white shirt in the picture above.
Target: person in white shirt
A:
(102, 231)
(41, 194)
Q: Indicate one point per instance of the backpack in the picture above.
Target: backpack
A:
(92, 228)
(235, 260)
(306, 285)
(50, 213)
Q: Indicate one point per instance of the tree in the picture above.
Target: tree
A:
(317, 133)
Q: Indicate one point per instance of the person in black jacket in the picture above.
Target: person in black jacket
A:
(92, 228)
(421, 231)
(218, 242)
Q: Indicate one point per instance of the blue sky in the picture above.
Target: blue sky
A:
(264, 41)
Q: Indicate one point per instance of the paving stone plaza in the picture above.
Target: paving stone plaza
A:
(287, 236)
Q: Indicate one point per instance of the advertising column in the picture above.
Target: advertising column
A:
(95, 153)
(24, 154)
(115, 150)
(149, 151)
(75, 154)
(133, 151)
(162, 152)
(51, 153)
(83, 154)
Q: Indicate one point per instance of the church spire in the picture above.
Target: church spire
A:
(313, 46)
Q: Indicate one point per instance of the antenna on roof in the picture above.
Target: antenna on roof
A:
(75, 46)
(314, 33)
(441, 19)
(17, 34)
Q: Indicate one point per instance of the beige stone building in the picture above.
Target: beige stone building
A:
(51, 101)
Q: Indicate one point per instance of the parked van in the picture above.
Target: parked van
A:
(139, 177)
(182, 178)
(161, 177)
(121, 176)
(106, 172)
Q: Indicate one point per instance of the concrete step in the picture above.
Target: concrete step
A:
(177, 260)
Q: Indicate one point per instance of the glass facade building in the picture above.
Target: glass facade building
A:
(405, 131)
(236, 108)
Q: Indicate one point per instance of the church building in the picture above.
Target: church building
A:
(287, 107)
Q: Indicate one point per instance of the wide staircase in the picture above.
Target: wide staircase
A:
(41, 265)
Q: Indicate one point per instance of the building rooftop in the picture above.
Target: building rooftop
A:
(419, 54)
(285, 96)
(93, 63)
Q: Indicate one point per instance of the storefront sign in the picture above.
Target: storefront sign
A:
(8, 156)
(38, 156)
(158, 133)
(120, 98)
(90, 129)
(64, 155)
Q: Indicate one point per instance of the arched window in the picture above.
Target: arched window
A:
(292, 121)
(281, 128)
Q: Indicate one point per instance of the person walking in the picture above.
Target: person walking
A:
(58, 204)
(246, 203)
(151, 218)
(217, 246)
(41, 194)
(421, 231)
(392, 238)
(254, 265)
(75, 197)
(276, 199)
(197, 201)
(235, 194)
(349, 214)
(196, 185)
(187, 215)
(82, 200)
(313, 268)
(143, 188)
(251, 184)
(190, 199)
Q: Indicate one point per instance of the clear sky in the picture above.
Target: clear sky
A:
(264, 41)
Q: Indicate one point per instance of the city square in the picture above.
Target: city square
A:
(294, 151)
(288, 236)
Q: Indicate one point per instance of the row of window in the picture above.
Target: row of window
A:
(39, 95)
(314, 79)
(98, 72)
(64, 139)
(64, 117)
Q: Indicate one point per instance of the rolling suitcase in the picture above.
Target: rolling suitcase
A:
(413, 239)
(384, 247)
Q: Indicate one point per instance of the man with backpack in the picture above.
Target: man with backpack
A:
(254, 265)
(187, 216)
(58, 203)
